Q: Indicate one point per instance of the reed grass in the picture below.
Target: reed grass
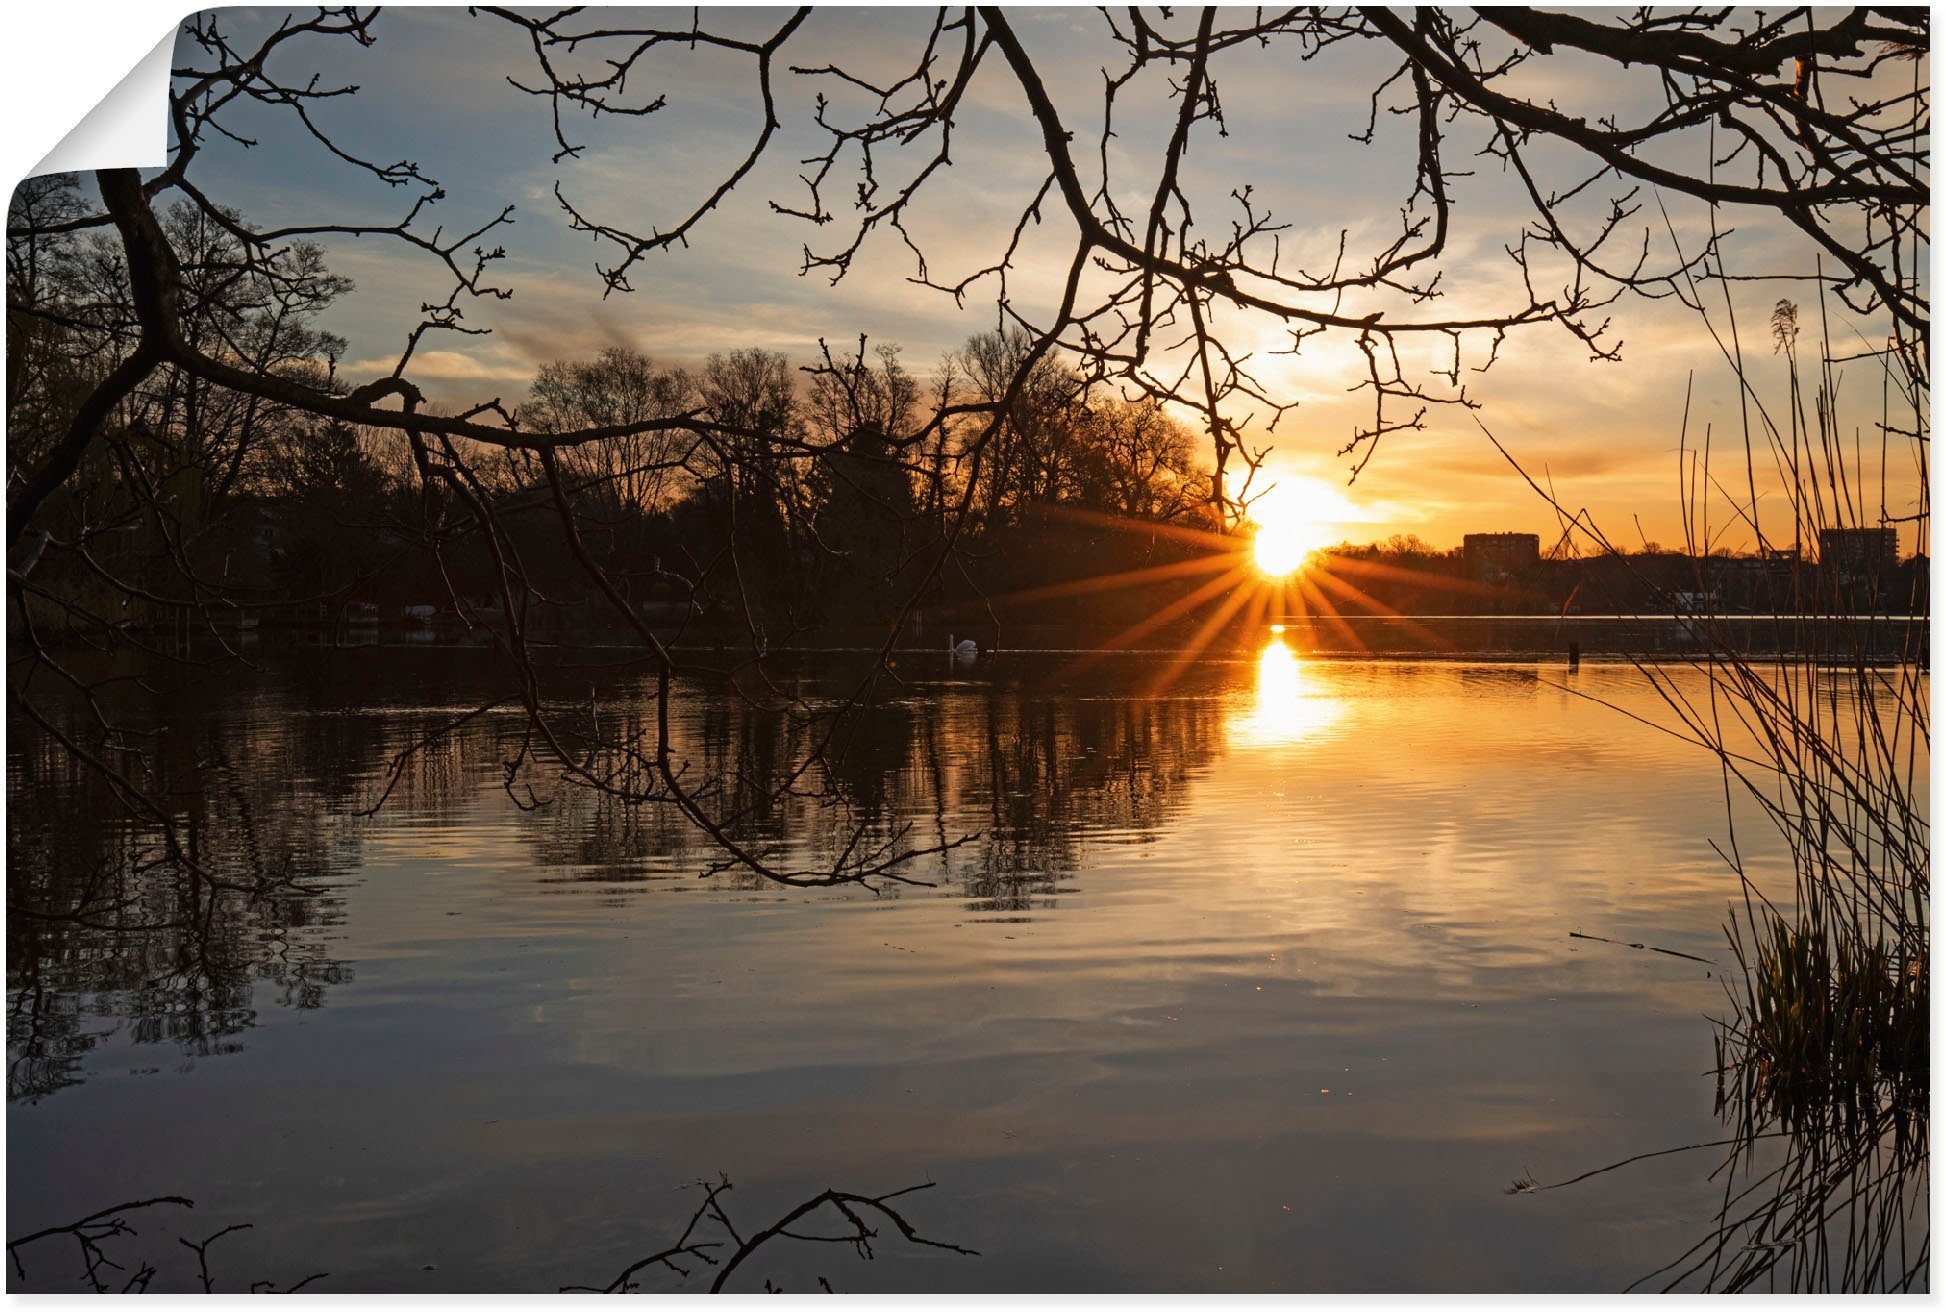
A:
(1824, 1020)
(1824, 1056)
(1824, 1060)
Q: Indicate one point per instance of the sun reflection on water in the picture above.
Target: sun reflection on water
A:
(1288, 707)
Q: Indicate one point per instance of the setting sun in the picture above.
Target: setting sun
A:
(1281, 547)
(1293, 519)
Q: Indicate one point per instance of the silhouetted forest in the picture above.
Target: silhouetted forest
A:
(813, 512)
(814, 515)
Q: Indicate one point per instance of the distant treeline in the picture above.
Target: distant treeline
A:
(840, 489)
(1407, 576)
(836, 492)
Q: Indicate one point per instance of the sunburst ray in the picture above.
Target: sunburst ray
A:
(1344, 588)
(1124, 579)
(1180, 606)
(1200, 639)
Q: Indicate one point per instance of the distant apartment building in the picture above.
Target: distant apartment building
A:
(1766, 581)
(1500, 555)
(1859, 552)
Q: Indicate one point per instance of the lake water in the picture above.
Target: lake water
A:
(1254, 974)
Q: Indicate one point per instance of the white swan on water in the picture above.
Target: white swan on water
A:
(965, 650)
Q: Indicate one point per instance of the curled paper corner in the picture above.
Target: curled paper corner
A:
(128, 127)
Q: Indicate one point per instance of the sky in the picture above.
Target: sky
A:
(434, 89)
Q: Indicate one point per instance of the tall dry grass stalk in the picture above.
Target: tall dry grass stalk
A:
(1826, 1048)
(1824, 1058)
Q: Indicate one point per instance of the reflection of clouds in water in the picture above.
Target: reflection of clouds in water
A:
(1287, 709)
(1371, 892)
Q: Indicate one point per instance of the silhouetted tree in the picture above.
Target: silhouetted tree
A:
(146, 387)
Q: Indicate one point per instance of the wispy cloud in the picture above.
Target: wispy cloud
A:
(435, 90)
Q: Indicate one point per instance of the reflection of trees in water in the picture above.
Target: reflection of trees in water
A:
(109, 933)
(106, 928)
(1021, 783)
(1053, 773)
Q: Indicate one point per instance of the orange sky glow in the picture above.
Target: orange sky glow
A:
(1619, 439)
